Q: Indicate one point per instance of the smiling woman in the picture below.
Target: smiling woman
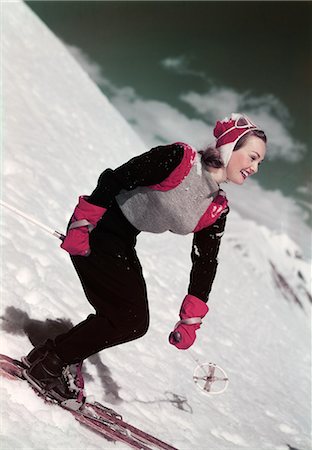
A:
(239, 149)
(246, 159)
(169, 188)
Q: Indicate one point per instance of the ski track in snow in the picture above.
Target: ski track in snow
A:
(59, 133)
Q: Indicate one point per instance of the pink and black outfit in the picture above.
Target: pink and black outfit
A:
(165, 189)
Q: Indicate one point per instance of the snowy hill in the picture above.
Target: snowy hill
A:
(59, 133)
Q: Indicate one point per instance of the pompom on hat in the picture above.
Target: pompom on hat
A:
(228, 132)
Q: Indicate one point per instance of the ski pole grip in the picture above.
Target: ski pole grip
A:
(59, 235)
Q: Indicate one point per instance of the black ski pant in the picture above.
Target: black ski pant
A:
(112, 279)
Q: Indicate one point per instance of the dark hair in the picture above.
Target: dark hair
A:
(212, 158)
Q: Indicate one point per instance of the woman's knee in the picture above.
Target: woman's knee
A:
(141, 328)
(136, 320)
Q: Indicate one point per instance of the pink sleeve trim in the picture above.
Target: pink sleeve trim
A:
(213, 212)
(180, 172)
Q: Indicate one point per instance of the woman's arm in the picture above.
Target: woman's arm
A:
(205, 249)
(147, 169)
(204, 254)
(150, 169)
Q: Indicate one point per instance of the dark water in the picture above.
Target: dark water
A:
(260, 47)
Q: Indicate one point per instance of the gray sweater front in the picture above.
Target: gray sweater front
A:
(177, 210)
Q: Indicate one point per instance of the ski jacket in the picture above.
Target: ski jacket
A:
(169, 189)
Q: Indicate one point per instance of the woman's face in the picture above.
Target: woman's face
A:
(245, 161)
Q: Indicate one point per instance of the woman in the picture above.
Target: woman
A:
(171, 187)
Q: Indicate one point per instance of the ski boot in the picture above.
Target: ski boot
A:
(37, 353)
(52, 378)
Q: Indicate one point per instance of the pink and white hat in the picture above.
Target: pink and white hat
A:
(228, 131)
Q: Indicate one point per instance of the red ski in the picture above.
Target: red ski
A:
(94, 415)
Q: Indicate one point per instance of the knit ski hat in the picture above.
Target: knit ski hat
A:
(228, 131)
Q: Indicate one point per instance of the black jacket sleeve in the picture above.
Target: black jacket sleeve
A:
(204, 254)
(147, 169)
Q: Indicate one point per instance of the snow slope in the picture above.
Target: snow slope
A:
(59, 133)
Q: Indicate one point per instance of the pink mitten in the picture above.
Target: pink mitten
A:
(84, 220)
(192, 311)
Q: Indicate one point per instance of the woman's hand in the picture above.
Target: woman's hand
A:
(192, 311)
(83, 221)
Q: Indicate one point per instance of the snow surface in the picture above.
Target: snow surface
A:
(59, 133)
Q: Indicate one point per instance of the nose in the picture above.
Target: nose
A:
(254, 167)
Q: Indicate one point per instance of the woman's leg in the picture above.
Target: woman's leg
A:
(112, 279)
(113, 283)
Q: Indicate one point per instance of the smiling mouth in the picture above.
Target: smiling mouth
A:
(245, 174)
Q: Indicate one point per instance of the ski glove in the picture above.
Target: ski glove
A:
(83, 221)
(192, 311)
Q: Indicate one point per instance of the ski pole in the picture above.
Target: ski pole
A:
(192, 357)
(32, 220)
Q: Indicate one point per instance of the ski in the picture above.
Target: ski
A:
(94, 415)
(104, 412)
